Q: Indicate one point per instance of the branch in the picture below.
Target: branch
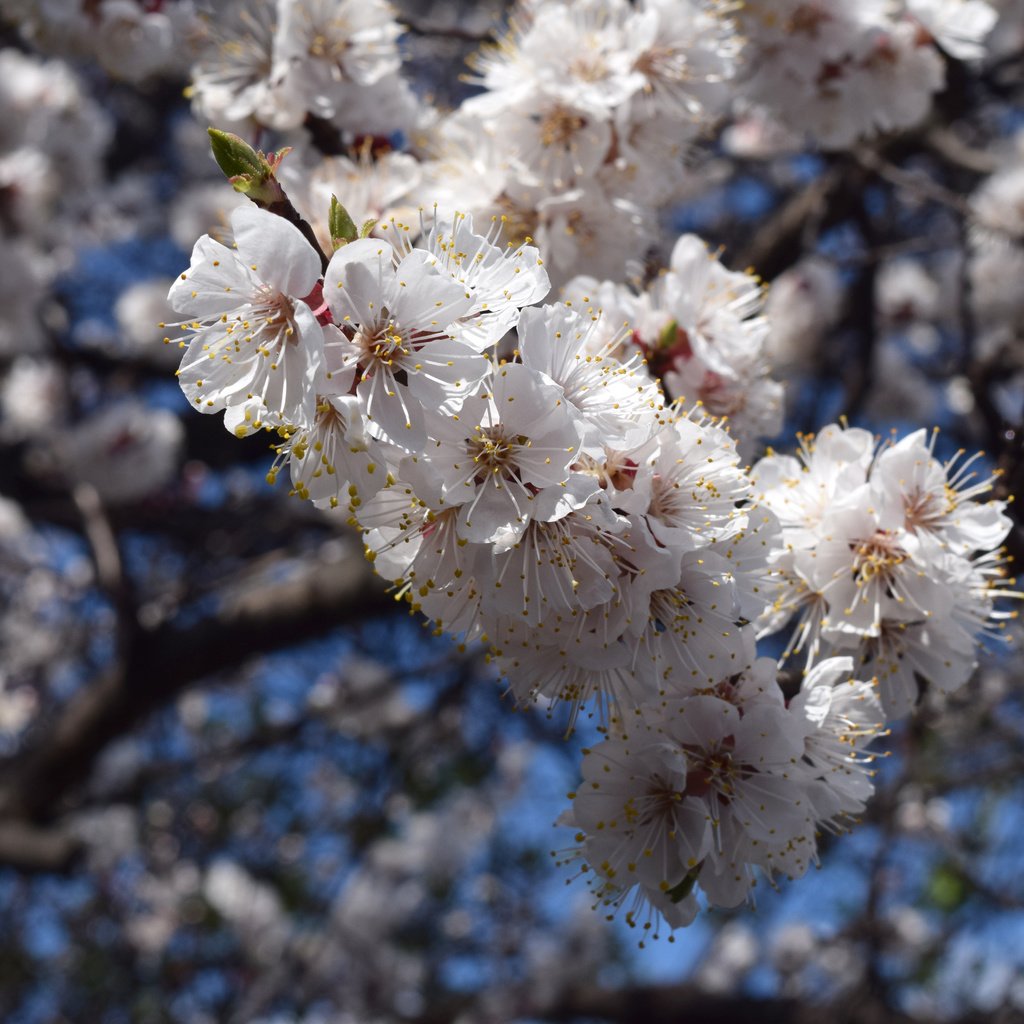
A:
(169, 657)
(445, 32)
(947, 144)
(780, 241)
(668, 1004)
(914, 182)
(30, 848)
(858, 377)
(106, 556)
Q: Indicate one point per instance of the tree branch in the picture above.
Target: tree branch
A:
(169, 657)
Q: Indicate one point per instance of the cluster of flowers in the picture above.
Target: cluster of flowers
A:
(581, 159)
(704, 788)
(577, 140)
(130, 39)
(516, 469)
(535, 492)
(548, 503)
(892, 566)
(850, 71)
(591, 112)
(996, 259)
(886, 555)
(52, 140)
(52, 143)
(702, 332)
(595, 105)
(275, 62)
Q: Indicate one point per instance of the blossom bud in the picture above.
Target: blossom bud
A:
(249, 171)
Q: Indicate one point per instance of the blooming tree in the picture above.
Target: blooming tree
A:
(493, 340)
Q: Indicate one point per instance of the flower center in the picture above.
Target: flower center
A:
(276, 311)
(494, 452)
(878, 556)
(926, 510)
(807, 20)
(713, 771)
(559, 126)
(381, 344)
(589, 68)
(659, 801)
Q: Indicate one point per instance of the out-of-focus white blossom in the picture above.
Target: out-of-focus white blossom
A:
(252, 907)
(127, 451)
(959, 26)
(32, 399)
(998, 203)
(802, 305)
(139, 311)
(841, 73)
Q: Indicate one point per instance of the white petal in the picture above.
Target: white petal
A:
(357, 280)
(282, 257)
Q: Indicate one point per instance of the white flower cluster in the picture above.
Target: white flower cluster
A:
(578, 139)
(516, 469)
(701, 329)
(539, 496)
(841, 72)
(592, 111)
(549, 504)
(703, 789)
(131, 39)
(886, 555)
(273, 62)
(996, 258)
(595, 104)
(52, 139)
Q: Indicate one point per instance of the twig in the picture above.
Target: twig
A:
(102, 542)
(29, 847)
(171, 656)
(919, 184)
(953, 149)
(416, 28)
(780, 242)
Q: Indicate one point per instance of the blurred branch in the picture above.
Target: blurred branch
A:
(780, 241)
(30, 848)
(662, 1004)
(162, 661)
(100, 536)
(106, 556)
(858, 377)
(348, 705)
(670, 1004)
(424, 30)
(920, 185)
(947, 144)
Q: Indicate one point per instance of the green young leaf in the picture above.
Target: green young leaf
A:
(682, 889)
(368, 226)
(342, 226)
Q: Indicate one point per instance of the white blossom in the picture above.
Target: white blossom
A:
(254, 336)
